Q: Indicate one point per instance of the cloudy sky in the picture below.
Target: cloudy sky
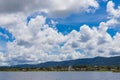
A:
(36, 31)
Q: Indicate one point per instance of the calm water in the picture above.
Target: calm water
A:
(59, 76)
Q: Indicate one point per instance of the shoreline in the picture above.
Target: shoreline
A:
(63, 68)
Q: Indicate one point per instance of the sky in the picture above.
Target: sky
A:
(37, 31)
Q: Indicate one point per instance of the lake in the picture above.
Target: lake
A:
(59, 76)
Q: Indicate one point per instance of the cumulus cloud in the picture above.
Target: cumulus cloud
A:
(2, 59)
(11, 19)
(38, 42)
(113, 17)
(112, 11)
(59, 8)
(6, 19)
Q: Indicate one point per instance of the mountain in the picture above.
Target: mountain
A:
(97, 61)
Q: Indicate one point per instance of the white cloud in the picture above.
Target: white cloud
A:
(62, 8)
(11, 19)
(11, 10)
(113, 17)
(112, 11)
(54, 8)
(37, 42)
(5, 19)
(3, 59)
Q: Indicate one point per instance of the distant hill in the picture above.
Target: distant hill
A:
(97, 61)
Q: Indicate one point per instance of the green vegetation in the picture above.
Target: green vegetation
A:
(65, 68)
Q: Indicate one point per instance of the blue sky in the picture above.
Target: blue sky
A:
(58, 31)
(74, 21)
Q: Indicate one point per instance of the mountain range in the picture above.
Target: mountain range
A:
(97, 61)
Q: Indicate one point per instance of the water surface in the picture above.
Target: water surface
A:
(59, 76)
